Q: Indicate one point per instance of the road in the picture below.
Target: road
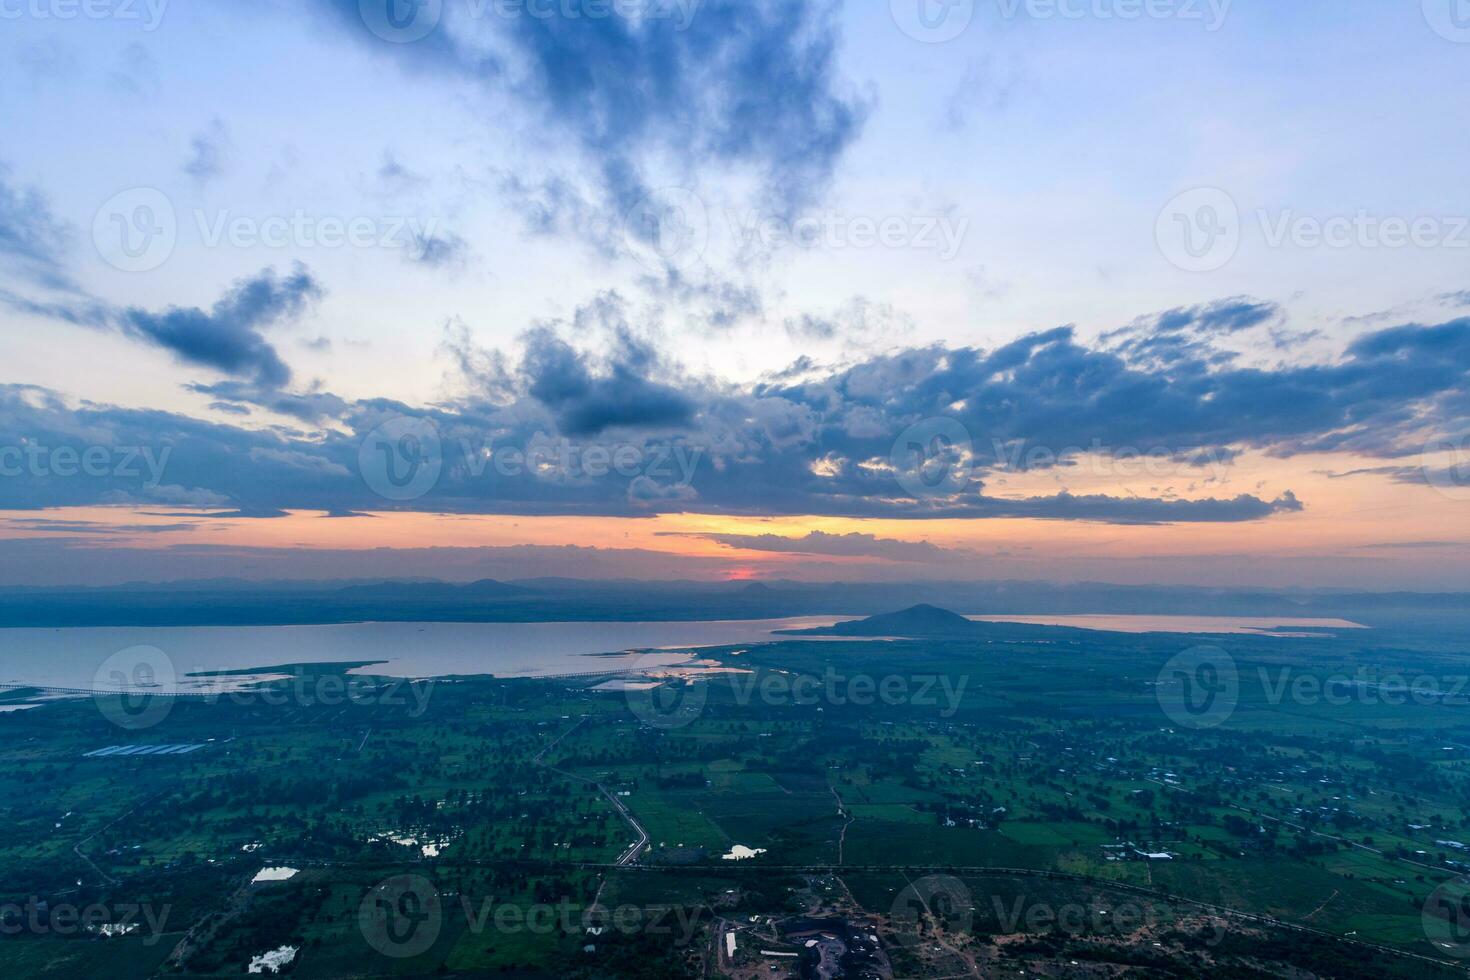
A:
(629, 857)
(631, 854)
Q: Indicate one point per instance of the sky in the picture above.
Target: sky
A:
(1139, 291)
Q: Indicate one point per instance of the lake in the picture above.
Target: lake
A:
(87, 658)
(72, 658)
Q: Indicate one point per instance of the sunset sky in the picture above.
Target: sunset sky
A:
(721, 290)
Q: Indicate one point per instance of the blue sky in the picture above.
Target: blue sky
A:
(503, 169)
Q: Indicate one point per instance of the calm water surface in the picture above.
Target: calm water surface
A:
(71, 658)
(78, 658)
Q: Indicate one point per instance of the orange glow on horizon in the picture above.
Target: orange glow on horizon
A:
(1359, 517)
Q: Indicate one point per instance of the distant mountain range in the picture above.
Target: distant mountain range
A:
(398, 591)
(239, 603)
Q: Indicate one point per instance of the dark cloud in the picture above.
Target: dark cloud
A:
(228, 338)
(858, 320)
(33, 241)
(1222, 316)
(745, 81)
(137, 71)
(439, 251)
(987, 86)
(79, 311)
(706, 298)
(815, 441)
(1451, 476)
(395, 178)
(554, 207)
(749, 83)
(1185, 334)
(238, 397)
(230, 408)
(588, 399)
(209, 152)
(48, 63)
(1144, 510)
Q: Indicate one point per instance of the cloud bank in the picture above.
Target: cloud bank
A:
(624, 430)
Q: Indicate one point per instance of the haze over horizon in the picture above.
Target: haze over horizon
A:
(721, 290)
